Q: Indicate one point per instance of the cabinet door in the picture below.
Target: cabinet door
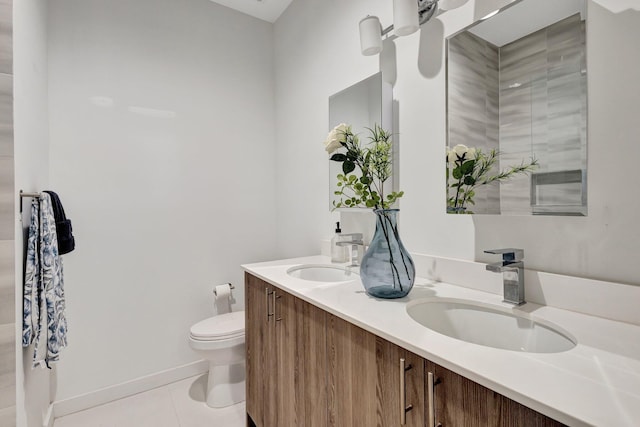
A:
(301, 363)
(364, 379)
(260, 361)
(459, 401)
(286, 362)
(311, 365)
(284, 353)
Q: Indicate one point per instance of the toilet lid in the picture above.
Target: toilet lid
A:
(223, 326)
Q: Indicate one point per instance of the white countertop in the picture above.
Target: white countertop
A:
(596, 383)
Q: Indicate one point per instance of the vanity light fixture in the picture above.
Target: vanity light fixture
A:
(371, 35)
(408, 15)
(405, 17)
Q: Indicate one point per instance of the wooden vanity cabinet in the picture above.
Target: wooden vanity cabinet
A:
(308, 368)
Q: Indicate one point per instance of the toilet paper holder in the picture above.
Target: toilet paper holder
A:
(230, 287)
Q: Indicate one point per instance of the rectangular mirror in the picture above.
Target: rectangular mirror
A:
(517, 111)
(363, 105)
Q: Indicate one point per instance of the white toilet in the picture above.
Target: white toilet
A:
(220, 340)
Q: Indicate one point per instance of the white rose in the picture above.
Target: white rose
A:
(471, 154)
(460, 149)
(332, 143)
(342, 130)
(335, 138)
(457, 153)
(451, 156)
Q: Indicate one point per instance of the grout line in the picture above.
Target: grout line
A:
(173, 403)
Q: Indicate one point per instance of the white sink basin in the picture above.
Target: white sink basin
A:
(488, 325)
(322, 273)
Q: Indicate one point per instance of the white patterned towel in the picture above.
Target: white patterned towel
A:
(44, 319)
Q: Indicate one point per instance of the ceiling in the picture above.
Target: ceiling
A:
(267, 10)
(525, 18)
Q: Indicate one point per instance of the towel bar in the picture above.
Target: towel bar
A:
(25, 194)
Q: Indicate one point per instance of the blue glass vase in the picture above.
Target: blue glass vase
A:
(387, 270)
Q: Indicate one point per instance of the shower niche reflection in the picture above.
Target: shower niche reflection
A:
(517, 84)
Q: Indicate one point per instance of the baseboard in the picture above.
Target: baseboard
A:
(48, 419)
(129, 388)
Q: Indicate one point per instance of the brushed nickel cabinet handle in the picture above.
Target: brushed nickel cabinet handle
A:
(431, 410)
(276, 297)
(403, 393)
(266, 303)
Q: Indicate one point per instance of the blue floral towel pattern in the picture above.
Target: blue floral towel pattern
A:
(44, 321)
(31, 313)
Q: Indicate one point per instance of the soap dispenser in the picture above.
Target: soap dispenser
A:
(338, 253)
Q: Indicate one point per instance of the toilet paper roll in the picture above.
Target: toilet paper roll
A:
(223, 298)
(223, 291)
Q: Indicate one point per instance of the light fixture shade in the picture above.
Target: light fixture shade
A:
(450, 4)
(405, 17)
(370, 36)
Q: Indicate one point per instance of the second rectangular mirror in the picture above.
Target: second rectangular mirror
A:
(363, 105)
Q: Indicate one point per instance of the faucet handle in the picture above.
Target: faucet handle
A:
(508, 254)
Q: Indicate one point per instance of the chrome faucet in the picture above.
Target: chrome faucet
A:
(356, 240)
(512, 269)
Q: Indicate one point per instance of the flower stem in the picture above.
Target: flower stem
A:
(394, 270)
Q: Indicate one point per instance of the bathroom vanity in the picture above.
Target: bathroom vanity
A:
(325, 353)
(306, 366)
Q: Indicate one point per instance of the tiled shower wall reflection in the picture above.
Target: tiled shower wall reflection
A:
(473, 94)
(7, 282)
(543, 107)
(526, 98)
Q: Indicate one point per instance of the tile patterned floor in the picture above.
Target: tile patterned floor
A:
(180, 404)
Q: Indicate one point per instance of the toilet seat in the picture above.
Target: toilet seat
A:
(223, 327)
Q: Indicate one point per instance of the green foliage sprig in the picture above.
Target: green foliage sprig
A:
(469, 168)
(373, 162)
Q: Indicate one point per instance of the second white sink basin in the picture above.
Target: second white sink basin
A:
(322, 273)
(491, 326)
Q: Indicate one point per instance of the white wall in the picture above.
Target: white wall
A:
(162, 150)
(31, 174)
(317, 54)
